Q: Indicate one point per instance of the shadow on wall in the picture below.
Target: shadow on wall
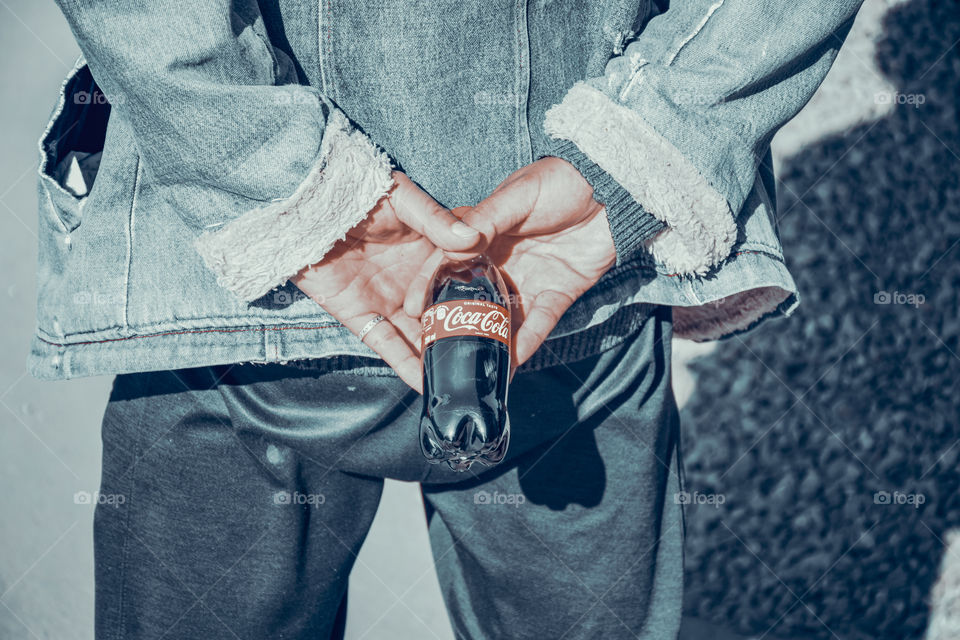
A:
(833, 437)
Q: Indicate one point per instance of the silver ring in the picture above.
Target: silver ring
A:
(374, 321)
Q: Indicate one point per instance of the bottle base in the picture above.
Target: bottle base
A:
(489, 456)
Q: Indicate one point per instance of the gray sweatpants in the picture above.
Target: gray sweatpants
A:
(248, 490)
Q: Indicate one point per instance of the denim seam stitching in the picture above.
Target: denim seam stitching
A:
(522, 81)
(126, 276)
(186, 331)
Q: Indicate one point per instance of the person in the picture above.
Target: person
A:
(232, 191)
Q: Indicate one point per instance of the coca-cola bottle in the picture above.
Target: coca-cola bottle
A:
(465, 347)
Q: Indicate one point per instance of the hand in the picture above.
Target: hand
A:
(543, 228)
(368, 272)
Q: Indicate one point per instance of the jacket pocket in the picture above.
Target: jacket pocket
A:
(71, 147)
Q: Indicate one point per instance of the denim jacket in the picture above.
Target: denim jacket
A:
(203, 151)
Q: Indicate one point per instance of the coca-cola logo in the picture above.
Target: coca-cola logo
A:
(465, 318)
(493, 321)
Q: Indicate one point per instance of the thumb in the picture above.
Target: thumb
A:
(506, 208)
(416, 209)
(476, 249)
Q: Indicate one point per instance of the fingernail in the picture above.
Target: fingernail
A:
(463, 230)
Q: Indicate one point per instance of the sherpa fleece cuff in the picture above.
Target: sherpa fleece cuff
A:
(701, 227)
(264, 247)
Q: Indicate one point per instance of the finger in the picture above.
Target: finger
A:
(387, 341)
(415, 208)
(474, 251)
(417, 291)
(395, 351)
(539, 321)
(409, 328)
(507, 207)
(504, 210)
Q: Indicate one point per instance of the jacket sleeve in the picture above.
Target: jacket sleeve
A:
(681, 120)
(268, 172)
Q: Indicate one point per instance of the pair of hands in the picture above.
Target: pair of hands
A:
(540, 226)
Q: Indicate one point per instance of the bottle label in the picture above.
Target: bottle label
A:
(465, 318)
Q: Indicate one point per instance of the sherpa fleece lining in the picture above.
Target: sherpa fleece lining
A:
(264, 247)
(701, 227)
(714, 320)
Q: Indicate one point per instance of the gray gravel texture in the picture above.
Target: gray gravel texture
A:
(833, 437)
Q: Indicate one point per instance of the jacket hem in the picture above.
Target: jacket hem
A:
(277, 343)
(603, 318)
(732, 314)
